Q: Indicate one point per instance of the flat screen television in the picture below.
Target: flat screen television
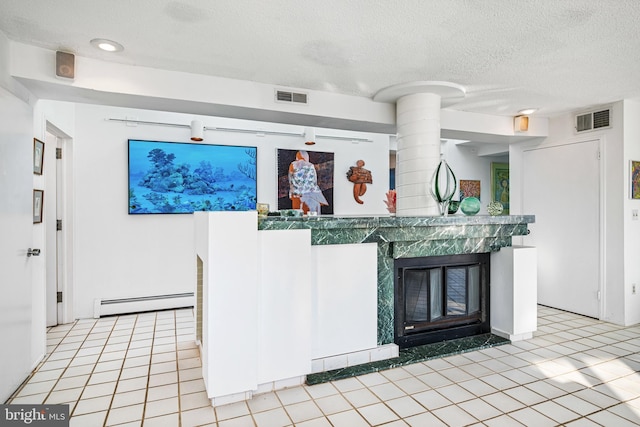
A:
(180, 178)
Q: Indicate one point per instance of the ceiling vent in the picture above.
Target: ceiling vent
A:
(592, 121)
(294, 97)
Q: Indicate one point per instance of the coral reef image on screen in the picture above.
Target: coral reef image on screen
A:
(175, 178)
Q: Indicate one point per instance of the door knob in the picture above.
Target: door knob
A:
(33, 252)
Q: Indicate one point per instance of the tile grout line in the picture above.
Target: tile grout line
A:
(124, 359)
(175, 326)
(117, 318)
(39, 365)
(71, 361)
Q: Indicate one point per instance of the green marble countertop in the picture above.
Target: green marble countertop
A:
(329, 221)
(342, 230)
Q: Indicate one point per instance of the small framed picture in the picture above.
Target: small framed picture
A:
(469, 188)
(38, 156)
(500, 185)
(635, 179)
(38, 199)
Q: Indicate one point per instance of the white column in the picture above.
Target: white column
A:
(418, 107)
(418, 155)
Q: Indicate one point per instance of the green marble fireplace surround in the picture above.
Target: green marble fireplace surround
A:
(406, 237)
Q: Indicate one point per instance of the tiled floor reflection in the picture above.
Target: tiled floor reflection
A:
(144, 370)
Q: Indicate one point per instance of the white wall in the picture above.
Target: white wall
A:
(119, 255)
(631, 227)
(467, 165)
(561, 131)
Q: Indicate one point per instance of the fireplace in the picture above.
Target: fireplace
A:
(438, 298)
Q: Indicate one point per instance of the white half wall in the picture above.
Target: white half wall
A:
(227, 244)
(514, 309)
(272, 302)
(284, 295)
(345, 299)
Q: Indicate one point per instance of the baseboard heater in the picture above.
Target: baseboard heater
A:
(109, 307)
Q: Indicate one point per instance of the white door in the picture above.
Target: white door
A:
(16, 228)
(561, 187)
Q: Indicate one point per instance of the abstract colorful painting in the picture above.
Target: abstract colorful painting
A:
(323, 164)
(469, 188)
(635, 179)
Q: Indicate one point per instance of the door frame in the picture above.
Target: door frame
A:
(602, 171)
(64, 253)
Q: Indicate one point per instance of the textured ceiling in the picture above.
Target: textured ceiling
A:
(557, 56)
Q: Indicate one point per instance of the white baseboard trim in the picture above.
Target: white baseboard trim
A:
(382, 352)
(512, 337)
(108, 307)
(262, 388)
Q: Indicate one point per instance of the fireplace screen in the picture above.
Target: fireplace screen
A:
(431, 296)
(439, 294)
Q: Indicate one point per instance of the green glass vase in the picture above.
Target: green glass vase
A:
(470, 206)
(443, 186)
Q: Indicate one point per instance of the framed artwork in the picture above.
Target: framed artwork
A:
(38, 156)
(179, 178)
(469, 188)
(500, 185)
(635, 179)
(314, 185)
(38, 199)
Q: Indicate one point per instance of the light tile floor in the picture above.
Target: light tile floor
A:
(144, 369)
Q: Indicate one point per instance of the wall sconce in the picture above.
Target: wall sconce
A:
(197, 130)
(521, 123)
(309, 136)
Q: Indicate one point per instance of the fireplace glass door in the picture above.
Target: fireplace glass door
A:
(437, 294)
(440, 297)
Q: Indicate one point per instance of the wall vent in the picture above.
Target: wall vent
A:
(592, 121)
(295, 97)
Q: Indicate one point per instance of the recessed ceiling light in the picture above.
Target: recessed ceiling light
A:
(107, 45)
(528, 111)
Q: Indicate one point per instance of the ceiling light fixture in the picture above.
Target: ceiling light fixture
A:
(107, 45)
(197, 130)
(309, 136)
(521, 124)
(527, 111)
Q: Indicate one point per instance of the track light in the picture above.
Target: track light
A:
(197, 130)
(309, 136)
